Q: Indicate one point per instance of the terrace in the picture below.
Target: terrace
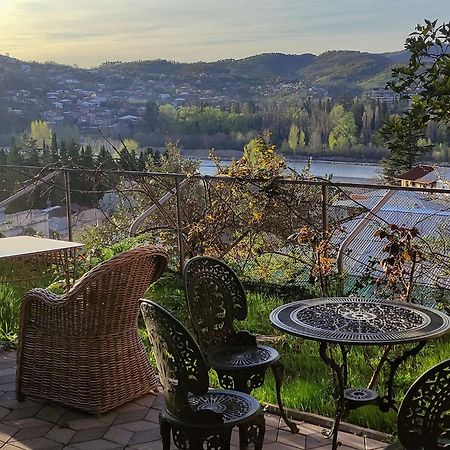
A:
(35, 424)
(272, 243)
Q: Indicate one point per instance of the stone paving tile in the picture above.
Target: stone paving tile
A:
(31, 432)
(9, 386)
(294, 440)
(351, 440)
(23, 413)
(37, 444)
(138, 425)
(146, 400)
(70, 415)
(152, 415)
(371, 444)
(272, 420)
(85, 424)
(155, 445)
(145, 436)
(7, 432)
(278, 446)
(60, 434)
(51, 413)
(89, 434)
(98, 444)
(118, 435)
(130, 413)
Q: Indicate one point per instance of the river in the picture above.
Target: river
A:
(340, 171)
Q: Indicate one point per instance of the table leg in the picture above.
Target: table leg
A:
(340, 382)
(388, 402)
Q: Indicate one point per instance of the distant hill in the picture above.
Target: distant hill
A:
(343, 71)
(268, 65)
(400, 57)
(339, 72)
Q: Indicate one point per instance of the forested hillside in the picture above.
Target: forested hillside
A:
(321, 105)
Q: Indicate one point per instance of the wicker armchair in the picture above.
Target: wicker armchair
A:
(82, 349)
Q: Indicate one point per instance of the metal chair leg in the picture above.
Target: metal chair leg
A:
(164, 429)
(278, 372)
(261, 431)
(253, 431)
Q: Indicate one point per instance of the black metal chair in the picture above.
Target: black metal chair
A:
(423, 421)
(197, 416)
(215, 298)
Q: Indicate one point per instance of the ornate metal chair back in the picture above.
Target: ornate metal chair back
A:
(215, 298)
(424, 416)
(181, 365)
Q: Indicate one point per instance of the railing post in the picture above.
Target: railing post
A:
(179, 225)
(68, 203)
(325, 221)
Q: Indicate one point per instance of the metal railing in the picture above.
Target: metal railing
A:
(346, 214)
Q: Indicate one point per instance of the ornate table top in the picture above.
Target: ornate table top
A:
(360, 321)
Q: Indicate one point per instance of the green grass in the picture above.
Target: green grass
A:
(308, 383)
(10, 298)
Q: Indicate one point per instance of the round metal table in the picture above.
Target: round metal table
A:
(348, 321)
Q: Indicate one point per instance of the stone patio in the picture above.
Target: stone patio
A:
(40, 425)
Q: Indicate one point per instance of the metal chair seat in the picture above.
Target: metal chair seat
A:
(232, 408)
(242, 357)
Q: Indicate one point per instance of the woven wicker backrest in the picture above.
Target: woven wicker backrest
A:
(181, 365)
(424, 416)
(215, 298)
(106, 299)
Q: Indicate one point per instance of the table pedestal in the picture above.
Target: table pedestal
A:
(349, 398)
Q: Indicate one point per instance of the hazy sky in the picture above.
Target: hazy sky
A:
(89, 32)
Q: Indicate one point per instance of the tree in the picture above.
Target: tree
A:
(41, 132)
(344, 128)
(426, 78)
(151, 116)
(425, 82)
(104, 159)
(54, 154)
(87, 157)
(294, 138)
(406, 143)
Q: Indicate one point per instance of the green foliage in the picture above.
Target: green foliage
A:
(294, 138)
(334, 69)
(426, 82)
(41, 132)
(10, 299)
(427, 75)
(406, 141)
(344, 128)
(101, 243)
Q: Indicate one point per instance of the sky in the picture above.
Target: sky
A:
(89, 32)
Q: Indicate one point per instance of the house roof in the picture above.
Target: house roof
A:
(405, 209)
(416, 173)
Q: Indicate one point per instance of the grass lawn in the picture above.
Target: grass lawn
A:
(308, 382)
